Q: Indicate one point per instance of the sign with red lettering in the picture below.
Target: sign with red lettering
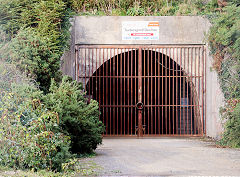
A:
(140, 30)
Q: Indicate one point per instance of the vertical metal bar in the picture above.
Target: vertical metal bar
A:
(117, 90)
(165, 106)
(106, 93)
(205, 91)
(202, 86)
(158, 101)
(114, 93)
(121, 91)
(92, 72)
(76, 64)
(155, 81)
(140, 127)
(176, 100)
(110, 91)
(184, 83)
(195, 90)
(131, 102)
(199, 91)
(169, 90)
(144, 81)
(99, 90)
(128, 83)
(162, 91)
(96, 80)
(85, 71)
(148, 85)
(173, 91)
(151, 89)
(89, 73)
(192, 87)
(180, 84)
(81, 73)
(135, 92)
(103, 94)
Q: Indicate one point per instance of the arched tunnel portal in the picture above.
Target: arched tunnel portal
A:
(170, 96)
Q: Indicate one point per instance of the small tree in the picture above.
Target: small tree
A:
(78, 119)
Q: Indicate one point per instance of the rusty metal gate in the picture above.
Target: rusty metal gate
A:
(146, 90)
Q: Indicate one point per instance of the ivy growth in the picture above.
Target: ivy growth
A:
(224, 41)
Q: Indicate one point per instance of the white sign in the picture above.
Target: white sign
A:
(140, 30)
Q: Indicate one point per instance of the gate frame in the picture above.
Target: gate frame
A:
(141, 47)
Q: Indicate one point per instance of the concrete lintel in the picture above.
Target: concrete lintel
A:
(172, 29)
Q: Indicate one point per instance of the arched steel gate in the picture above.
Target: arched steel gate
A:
(146, 90)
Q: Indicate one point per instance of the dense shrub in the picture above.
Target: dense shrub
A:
(44, 16)
(39, 131)
(31, 54)
(78, 119)
(224, 41)
(40, 32)
(143, 7)
(30, 136)
(231, 113)
(224, 35)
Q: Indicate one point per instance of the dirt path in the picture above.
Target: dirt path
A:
(165, 157)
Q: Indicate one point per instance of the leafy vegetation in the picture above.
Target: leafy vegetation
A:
(42, 127)
(43, 131)
(144, 7)
(41, 29)
(75, 167)
(224, 40)
(78, 119)
(29, 135)
(31, 54)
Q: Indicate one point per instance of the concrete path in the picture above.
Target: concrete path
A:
(165, 157)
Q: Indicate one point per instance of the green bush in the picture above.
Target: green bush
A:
(144, 7)
(40, 32)
(30, 136)
(45, 16)
(39, 131)
(35, 145)
(78, 119)
(232, 127)
(224, 35)
(31, 54)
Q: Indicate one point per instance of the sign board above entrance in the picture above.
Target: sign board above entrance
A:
(140, 30)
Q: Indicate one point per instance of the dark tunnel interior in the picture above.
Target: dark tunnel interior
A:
(167, 95)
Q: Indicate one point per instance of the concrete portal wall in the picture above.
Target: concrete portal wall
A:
(173, 30)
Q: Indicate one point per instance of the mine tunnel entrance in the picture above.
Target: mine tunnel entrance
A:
(145, 91)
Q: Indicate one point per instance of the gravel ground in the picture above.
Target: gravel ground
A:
(165, 157)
